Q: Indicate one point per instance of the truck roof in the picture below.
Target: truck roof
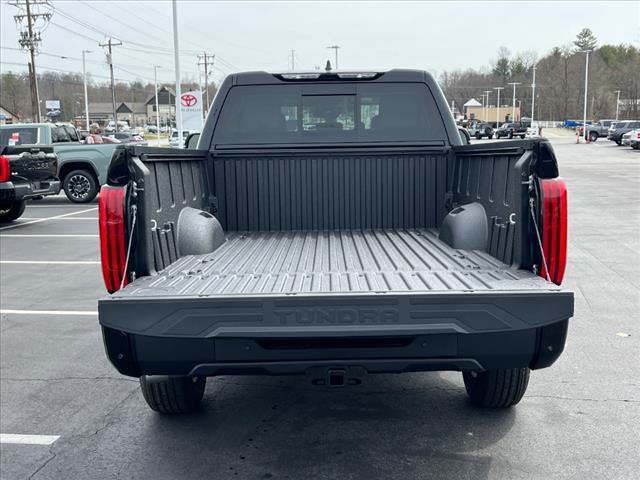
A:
(274, 78)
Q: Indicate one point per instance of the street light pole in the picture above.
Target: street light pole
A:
(86, 96)
(533, 96)
(513, 108)
(176, 54)
(483, 114)
(586, 82)
(498, 105)
(335, 47)
(486, 119)
(617, 104)
(155, 79)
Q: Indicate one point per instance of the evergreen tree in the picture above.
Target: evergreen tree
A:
(585, 40)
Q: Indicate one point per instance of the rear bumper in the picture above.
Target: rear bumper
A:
(290, 335)
(11, 191)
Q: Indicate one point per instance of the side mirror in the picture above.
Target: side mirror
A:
(464, 136)
(192, 141)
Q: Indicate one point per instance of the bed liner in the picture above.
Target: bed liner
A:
(364, 282)
(277, 263)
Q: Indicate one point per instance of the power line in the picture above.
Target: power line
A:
(122, 22)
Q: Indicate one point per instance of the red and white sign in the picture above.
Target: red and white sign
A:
(188, 100)
(191, 108)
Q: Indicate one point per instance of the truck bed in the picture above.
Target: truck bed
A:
(334, 283)
(334, 262)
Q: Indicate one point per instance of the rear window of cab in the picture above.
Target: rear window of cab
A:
(305, 114)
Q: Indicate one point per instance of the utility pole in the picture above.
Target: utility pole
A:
(617, 104)
(513, 107)
(293, 60)
(586, 83)
(110, 44)
(206, 59)
(32, 12)
(498, 105)
(335, 48)
(84, 78)
(483, 110)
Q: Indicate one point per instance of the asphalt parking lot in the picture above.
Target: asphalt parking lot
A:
(579, 418)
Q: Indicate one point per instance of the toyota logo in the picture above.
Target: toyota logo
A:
(188, 100)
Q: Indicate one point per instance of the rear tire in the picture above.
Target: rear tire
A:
(12, 212)
(478, 135)
(522, 137)
(593, 136)
(501, 388)
(80, 186)
(173, 395)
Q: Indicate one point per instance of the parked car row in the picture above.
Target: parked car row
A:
(618, 131)
(479, 130)
(632, 139)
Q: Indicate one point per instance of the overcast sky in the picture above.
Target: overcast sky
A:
(435, 36)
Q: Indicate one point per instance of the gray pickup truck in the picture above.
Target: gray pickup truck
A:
(597, 130)
(82, 168)
(333, 225)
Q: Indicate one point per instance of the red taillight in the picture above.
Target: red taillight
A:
(113, 241)
(554, 228)
(5, 169)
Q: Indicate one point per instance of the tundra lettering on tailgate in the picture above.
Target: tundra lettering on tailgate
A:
(336, 316)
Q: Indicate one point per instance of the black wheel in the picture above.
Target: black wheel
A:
(80, 186)
(478, 135)
(496, 388)
(171, 395)
(490, 136)
(12, 212)
(635, 147)
(593, 136)
(522, 137)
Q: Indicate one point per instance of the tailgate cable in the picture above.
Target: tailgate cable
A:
(535, 224)
(126, 262)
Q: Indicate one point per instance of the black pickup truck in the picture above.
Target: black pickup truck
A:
(26, 172)
(333, 225)
(510, 130)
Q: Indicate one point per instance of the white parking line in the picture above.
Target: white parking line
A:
(53, 235)
(95, 219)
(48, 218)
(61, 205)
(49, 312)
(28, 439)
(49, 262)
